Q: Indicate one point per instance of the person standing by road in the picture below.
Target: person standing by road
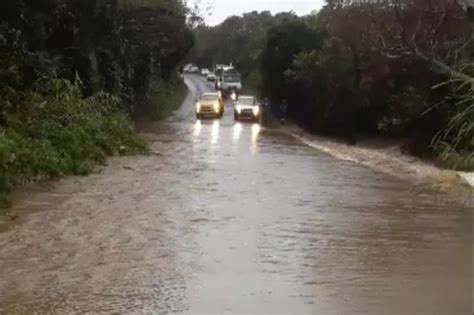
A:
(265, 109)
(283, 109)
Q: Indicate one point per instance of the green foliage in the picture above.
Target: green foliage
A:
(455, 143)
(282, 44)
(62, 133)
(115, 46)
(238, 39)
(164, 98)
(253, 84)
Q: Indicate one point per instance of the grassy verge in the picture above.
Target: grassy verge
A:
(165, 97)
(55, 132)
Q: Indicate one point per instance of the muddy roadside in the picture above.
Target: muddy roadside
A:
(164, 102)
(386, 156)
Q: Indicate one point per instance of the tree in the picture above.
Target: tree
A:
(283, 43)
(437, 32)
(116, 45)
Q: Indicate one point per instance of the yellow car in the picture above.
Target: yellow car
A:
(209, 105)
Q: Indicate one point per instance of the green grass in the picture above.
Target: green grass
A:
(164, 98)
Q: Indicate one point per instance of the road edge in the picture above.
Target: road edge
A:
(391, 160)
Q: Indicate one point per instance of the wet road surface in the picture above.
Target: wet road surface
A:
(235, 218)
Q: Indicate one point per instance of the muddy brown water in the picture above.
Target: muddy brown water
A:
(235, 218)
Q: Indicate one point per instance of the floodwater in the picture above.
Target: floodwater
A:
(235, 218)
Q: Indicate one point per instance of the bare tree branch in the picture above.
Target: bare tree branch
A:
(433, 31)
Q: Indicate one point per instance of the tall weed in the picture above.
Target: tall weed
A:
(455, 143)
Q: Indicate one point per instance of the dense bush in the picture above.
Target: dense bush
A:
(368, 78)
(58, 132)
(119, 46)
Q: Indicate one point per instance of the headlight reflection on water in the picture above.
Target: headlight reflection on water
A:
(215, 132)
(237, 132)
(255, 132)
(256, 111)
(197, 128)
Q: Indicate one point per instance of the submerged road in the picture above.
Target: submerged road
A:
(229, 217)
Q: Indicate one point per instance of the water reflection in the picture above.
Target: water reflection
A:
(197, 128)
(255, 132)
(237, 132)
(215, 132)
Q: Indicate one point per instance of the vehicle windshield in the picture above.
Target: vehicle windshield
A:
(248, 101)
(208, 97)
(231, 78)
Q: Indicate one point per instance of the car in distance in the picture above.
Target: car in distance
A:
(247, 107)
(190, 68)
(209, 105)
(204, 72)
(211, 77)
(187, 68)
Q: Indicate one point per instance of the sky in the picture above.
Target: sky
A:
(221, 9)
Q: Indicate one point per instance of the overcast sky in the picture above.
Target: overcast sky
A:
(221, 9)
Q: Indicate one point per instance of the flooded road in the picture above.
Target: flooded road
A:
(235, 218)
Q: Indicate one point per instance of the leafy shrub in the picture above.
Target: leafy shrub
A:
(61, 133)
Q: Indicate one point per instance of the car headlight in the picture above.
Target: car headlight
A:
(256, 111)
(238, 108)
(216, 107)
(198, 107)
(233, 96)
